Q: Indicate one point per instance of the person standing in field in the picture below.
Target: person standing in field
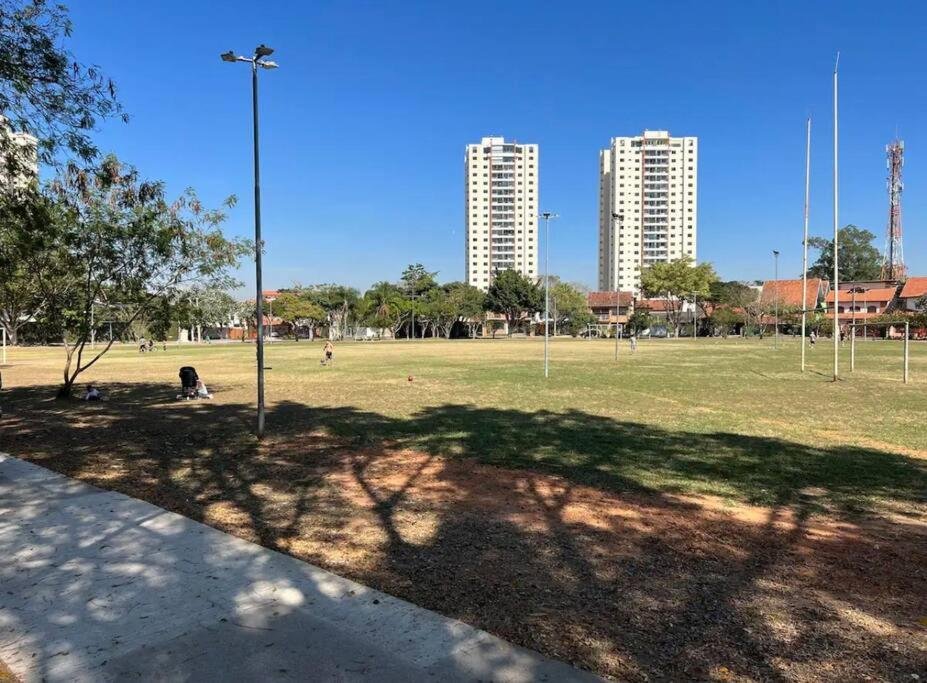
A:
(633, 342)
(812, 338)
(328, 352)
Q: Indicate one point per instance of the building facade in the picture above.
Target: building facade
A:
(19, 164)
(501, 190)
(648, 206)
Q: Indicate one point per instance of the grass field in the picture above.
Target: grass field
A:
(695, 510)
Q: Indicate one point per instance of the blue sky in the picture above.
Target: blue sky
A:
(364, 124)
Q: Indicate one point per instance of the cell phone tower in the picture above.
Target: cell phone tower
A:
(893, 267)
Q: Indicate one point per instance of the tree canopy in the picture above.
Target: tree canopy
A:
(859, 259)
(515, 296)
(677, 280)
(117, 242)
(44, 89)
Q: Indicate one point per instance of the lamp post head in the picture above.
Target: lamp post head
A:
(268, 65)
(263, 51)
(229, 56)
(775, 252)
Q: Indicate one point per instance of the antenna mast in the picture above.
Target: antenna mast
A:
(893, 267)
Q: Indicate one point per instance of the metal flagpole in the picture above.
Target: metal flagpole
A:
(836, 332)
(804, 262)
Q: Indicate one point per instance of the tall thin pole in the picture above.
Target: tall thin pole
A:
(804, 244)
(546, 293)
(258, 248)
(694, 315)
(836, 333)
(776, 275)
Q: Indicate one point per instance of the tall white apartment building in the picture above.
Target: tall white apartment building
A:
(501, 209)
(648, 206)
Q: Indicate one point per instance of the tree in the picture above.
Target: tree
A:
(205, 306)
(416, 280)
(44, 90)
(469, 304)
(569, 307)
(515, 296)
(121, 242)
(385, 306)
(859, 259)
(339, 303)
(724, 318)
(677, 280)
(640, 320)
(298, 308)
(24, 217)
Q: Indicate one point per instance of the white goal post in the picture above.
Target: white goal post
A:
(888, 323)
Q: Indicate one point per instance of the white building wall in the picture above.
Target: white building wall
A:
(651, 181)
(501, 207)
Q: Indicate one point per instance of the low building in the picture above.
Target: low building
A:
(610, 307)
(788, 294)
(859, 303)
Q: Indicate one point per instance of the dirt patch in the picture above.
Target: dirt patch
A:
(632, 586)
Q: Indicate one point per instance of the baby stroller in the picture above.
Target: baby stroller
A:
(188, 379)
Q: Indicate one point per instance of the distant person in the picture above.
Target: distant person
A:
(92, 394)
(150, 345)
(812, 339)
(633, 341)
(142, 345)
(328, 352)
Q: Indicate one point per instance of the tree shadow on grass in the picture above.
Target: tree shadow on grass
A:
(602, 565)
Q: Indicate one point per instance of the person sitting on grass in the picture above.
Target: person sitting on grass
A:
(92, 394)
(201, 390)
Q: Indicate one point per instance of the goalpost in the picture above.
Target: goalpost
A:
(892, 323)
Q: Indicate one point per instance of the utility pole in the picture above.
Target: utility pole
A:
(804, 244)
(776, 272)
(258, 59)
(547, 215)
(836, 236)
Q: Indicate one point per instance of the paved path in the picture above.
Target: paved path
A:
(97, 586)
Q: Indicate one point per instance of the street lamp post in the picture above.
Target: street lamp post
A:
(547, 215)
(619, 218)
(258, 59)
(776, 272)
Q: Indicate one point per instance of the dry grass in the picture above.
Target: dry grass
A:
(689, 513)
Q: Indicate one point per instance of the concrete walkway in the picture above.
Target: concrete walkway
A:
(96, 586)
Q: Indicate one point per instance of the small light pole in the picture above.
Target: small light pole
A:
(776, 270)
(617, 218)
(547, 215)
(258, 59)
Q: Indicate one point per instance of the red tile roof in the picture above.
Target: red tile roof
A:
(609, 299)
(788, 292)
(654, 305)
(914, 288)
(870, 295)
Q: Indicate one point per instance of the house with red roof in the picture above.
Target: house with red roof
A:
(788, 293)
(860, 303)
(610, 308)
(914, 289)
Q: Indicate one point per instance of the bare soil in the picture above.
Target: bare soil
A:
(633, 586)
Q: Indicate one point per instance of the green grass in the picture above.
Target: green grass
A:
(731, 418)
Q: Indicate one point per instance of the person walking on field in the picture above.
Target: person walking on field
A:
(812, 338)
(329, 352)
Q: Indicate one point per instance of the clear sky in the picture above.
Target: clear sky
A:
(365, 122)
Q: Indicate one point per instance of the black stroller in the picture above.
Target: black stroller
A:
(188, 379)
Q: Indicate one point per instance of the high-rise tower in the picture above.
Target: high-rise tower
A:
(501, 208)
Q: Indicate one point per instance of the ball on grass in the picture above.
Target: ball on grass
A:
(411, 378)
